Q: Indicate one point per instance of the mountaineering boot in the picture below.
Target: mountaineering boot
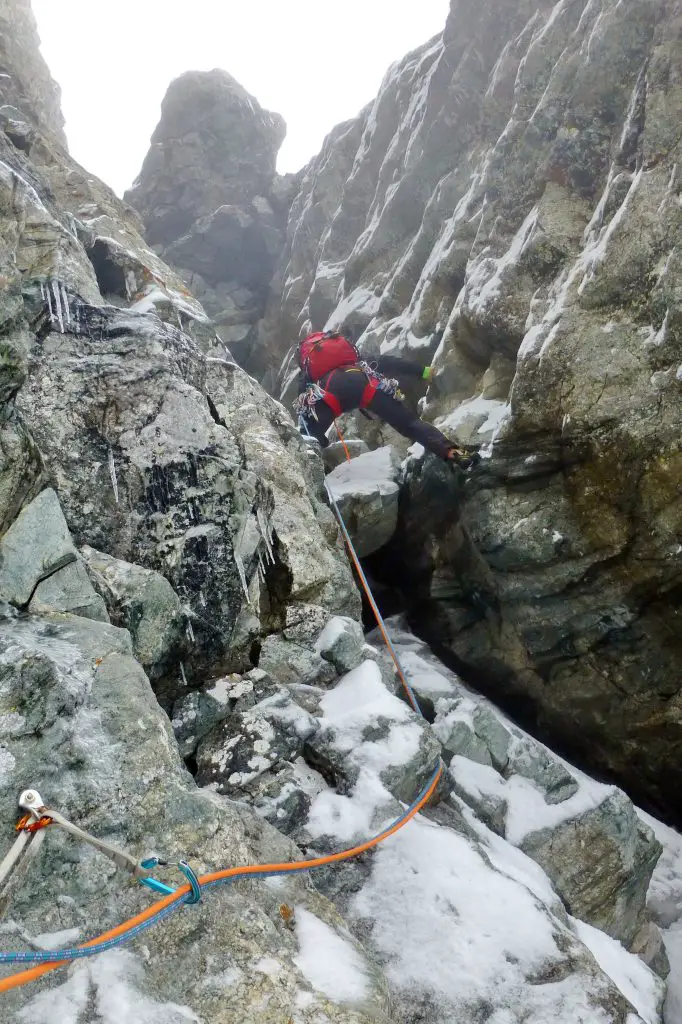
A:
(464, 457)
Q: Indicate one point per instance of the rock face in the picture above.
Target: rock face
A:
(210, 201)
(25, 79)
(78, 696)
(509, 208)
(145, 479)
(99, 336)
(161, 456)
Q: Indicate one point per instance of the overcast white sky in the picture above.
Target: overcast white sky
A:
(316, 62)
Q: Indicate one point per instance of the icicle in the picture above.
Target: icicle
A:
(49, 304)
(202, 599)
(242, 576)
(58, 305)
(190, 632)
(673, 175)
(182, 673)
(265, 532)
(112, 474)
(42, 290)
(261, 567)
(65, 303)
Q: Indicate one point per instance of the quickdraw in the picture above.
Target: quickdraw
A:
(38, 817)
(308, 399)
(31, 831)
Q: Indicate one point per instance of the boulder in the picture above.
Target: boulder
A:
(625, 854)
(337, 453)
(291, 663)
(366, 493)
(238, 751)
(196, 713)
(612, 894)
(39, 565)
(363, 724)
(342, 643)
(284, 796)
(143, 602)
(193, 716)
(303, 623)
(68, 590)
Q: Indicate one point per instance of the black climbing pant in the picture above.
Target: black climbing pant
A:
(347, 386)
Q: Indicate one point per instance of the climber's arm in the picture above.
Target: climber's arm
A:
(395, 366)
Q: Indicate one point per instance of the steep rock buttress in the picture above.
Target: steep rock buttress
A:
(509, 209)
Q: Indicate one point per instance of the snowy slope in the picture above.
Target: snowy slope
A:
(465, 925)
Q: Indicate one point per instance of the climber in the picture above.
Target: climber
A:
(335, 379)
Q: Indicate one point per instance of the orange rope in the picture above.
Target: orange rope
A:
(24, 977)
(341, 439)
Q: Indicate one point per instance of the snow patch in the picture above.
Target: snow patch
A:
(366, 474)
(451, 927)
(334, 629)
(488, 411)
(354, 816)
(639, 985)
(331, 963)
(486, 281)
(111, 980)
(57, 940)
(527, 810)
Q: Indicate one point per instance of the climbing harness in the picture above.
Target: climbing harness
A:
(304, 404)
(32, 828)
(389, 385)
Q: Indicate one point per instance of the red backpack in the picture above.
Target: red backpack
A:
(324, 351)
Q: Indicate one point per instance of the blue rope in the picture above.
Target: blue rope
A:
(77, 953)
(194, 896)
